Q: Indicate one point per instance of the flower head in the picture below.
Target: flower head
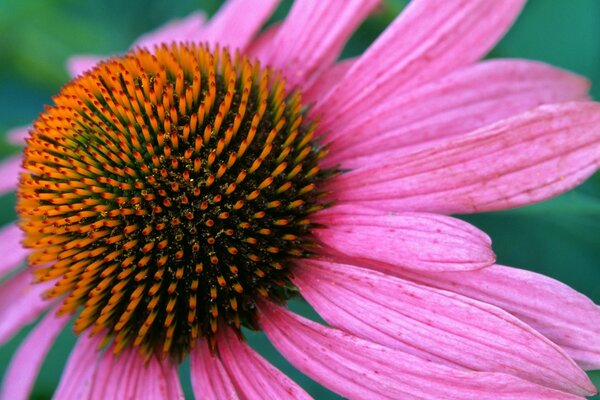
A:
(177, 194)
(168, 191)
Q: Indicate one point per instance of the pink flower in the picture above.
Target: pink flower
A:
(416, 128)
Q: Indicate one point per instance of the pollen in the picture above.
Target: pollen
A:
(166, 192)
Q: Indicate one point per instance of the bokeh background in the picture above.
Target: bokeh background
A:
(560, 238)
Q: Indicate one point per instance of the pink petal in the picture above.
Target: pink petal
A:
(427, 41)
(517, 161)
(560, 313)
(253, 376)
(313, 35)
(237, 22)
(357, 368)
(413, 240)
(237, 372)
(327, 80)
(27, 361)
(13, 253)
(162, 376)
(130, 376)
(111, 379)
(79, 64)
(10, 168)
(435, 325)
(18, 135)
(188, 29)
(21, 302)
(78, 374)
(263, 41)
(210, 380)
(459, 103)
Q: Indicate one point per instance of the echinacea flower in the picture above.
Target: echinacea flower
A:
(184, 191)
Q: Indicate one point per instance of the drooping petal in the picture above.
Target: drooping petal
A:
(12, 252)
(162, 376)
(237, 22)
(18, 135)
(112, 376)
(359, 369)
(27, 361)
(10, 168)
(517, 161)
(459, 103)
(21, 302)
(427, 41)
(130, 376)
(435, 325)
(313, 35)
(188, 29)
(560, 313)
(78, 374)
(253, 376)
(210, 380)
(77, 65)
(418, 241)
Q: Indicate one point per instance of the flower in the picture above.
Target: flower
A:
(174, 195)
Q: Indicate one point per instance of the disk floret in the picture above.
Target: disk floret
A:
(166, 192)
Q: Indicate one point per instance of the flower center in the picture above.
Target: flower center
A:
(166, 192)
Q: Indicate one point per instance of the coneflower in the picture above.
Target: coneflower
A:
(176, 195)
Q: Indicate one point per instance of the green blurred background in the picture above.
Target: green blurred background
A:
(559, 238)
